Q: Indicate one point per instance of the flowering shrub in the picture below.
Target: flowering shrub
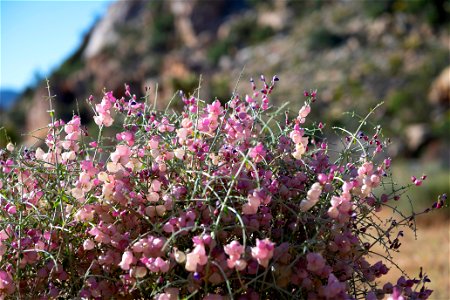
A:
(218, 202)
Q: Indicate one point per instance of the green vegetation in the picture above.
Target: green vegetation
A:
(219, 88)
(8, 134)
(434, 11)
(161, 33)
(243, 33)
(322, 38)
(187, 85)
(438, 181)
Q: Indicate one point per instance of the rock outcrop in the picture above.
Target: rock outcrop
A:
(440, 89)
(105, 31)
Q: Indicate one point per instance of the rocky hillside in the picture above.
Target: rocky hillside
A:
(356, 53)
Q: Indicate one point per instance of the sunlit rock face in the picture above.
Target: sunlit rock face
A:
(105, 33)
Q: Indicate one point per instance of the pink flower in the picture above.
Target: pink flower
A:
(397, 295)
(103, 119)
(7, 285)
(333, 288)
(258, 153)
(88, 244)
(215, 108)
(297, 136)
(347, 186)
(162, 265)
(164, 126)
(316, 263)
(312, 197)
(333, 212)
(11, 209)
(322, 178)
(300, 142)
(254, 201)
(100, 236)
(365, 169)
(235, 250)
(103, 110)
(169, 294)
(156, 264)
(126, 136)
(73, 125)
(263, 251)
(197, 256)
(303, 113)
(127, 260)
(121, 154)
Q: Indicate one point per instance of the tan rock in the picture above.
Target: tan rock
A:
(440, 89)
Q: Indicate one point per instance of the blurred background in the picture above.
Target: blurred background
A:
(356, 53)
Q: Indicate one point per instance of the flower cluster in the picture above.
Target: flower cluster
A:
(220, 202)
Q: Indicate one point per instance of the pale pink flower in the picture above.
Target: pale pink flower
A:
(156, 185)
(296, 136)
(197, 256)
(10, 147)
(251, 207)
(156, 264)
(303, 113)
(312, 197)
(235, 250)
(300, 149)
(263, 251)
(165, 126)
(88, 244)
(104, 119)
(169, 294)
(122, 154)
(179, 153)
(127, 260)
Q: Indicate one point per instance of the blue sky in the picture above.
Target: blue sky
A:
(36, 36)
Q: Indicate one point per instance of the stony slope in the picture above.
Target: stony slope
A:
(355, 54)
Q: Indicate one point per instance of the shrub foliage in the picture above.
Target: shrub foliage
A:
(218, 202)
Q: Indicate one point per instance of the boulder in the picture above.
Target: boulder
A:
(440, 89)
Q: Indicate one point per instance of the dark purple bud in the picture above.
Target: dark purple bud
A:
(197, 276)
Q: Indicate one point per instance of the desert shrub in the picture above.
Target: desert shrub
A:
(243, 33)
(322, 38)
(220, 89)
(8, 135)
(218, 202)
(434, 12)
(163, 29)
(187, 84)
(161, 32)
